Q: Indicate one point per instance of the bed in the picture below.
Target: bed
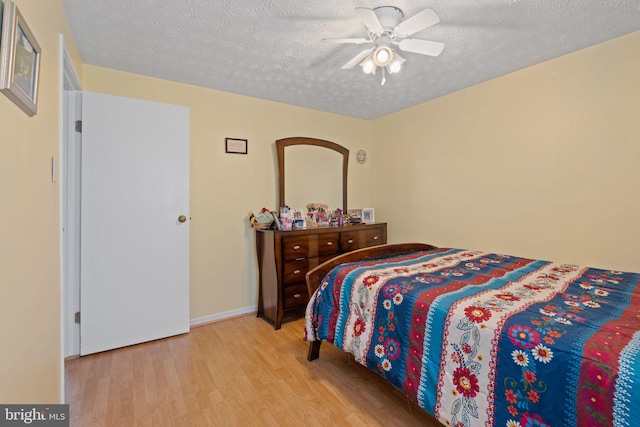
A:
(483, 339)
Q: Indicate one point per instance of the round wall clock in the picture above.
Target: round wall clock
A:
(361, 156)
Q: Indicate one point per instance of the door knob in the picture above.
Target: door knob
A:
(182, 218)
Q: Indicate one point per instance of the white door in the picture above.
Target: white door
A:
(134, 259)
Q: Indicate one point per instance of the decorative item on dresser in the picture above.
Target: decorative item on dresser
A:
(284, 257)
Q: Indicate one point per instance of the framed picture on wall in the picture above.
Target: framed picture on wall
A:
(19, 60)
(235, 146)
(368, 216)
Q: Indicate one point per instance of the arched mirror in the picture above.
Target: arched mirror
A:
(316, 171)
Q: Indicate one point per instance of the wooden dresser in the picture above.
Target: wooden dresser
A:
(284, 257)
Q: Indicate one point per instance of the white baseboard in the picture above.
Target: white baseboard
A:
(222, 316)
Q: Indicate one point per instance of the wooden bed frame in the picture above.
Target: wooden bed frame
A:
(314, 276)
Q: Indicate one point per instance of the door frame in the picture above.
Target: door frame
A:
(69, 201)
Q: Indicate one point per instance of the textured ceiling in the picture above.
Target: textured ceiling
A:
(272, 49)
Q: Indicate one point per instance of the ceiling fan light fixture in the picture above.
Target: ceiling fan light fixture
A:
(395, 65)
(368, 65)
(385, 58)
(383, 55)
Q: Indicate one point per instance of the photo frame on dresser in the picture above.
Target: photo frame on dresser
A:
(355, 215)
(297, 218)
(368, 216)
(19, 60)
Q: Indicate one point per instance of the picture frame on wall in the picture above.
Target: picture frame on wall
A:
(19, 60)
(236, 146)
(368, 216)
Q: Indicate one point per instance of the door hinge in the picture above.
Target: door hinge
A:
(77, 317)
(79, 126)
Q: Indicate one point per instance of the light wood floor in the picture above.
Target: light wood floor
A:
(237, 372)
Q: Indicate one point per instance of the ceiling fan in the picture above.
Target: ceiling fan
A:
(386, 28)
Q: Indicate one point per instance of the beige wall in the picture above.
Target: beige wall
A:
(225, 187)
(30, 353)
(540, 163)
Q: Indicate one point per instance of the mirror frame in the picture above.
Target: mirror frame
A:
(298, 140)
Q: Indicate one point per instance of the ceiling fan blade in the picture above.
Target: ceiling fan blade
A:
(354, 41)
(417, 22)
(424, 47)
(370, 19)
(356, 59)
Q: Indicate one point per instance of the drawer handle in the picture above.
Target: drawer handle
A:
(297, 296)
(295, 273)
(296, 247)
(350, 241)
(375, 237)
(329, 243)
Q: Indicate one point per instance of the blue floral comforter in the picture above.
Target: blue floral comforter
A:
(480, 339)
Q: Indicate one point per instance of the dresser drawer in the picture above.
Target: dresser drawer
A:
(373, 237)
(295, 295)
(294, 271)
(328, 244)
(296, 247)
(349, 241)
(352, 240)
